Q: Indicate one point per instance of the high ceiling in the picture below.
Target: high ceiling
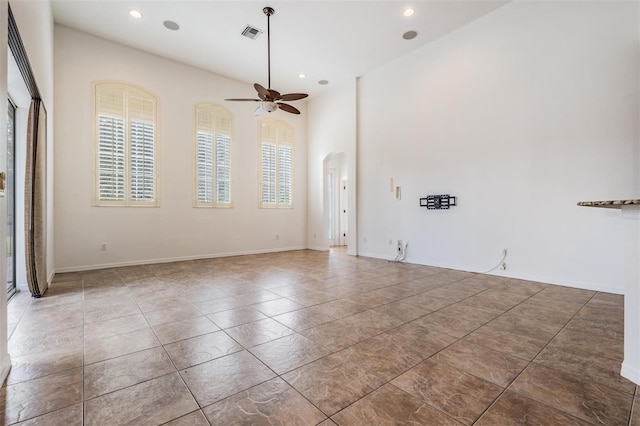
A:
(326, 40)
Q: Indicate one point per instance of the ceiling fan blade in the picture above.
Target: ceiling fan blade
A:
(288, 108)
(262, 92)
(244, 100)
(293, 96)
(274, 95)
(258, 111)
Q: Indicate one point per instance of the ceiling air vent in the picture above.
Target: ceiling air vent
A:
(251, 32)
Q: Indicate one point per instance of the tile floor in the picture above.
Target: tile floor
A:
(308, 338)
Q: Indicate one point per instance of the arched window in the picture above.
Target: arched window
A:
(276, 164)
(213, 156)
(126, 145)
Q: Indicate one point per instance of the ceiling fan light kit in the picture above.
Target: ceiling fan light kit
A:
(269, 98)
(269, 106)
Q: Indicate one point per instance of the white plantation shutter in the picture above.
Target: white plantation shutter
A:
(284, 174)
(142, 148)
(276, 163)
(213, 160)
(205, 167)
(126, 145)
(111, 158)
(223, 168)
(269, 171)
(110, 105)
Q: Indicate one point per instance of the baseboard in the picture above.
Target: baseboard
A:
(376, 256)
(65, 269)
(566, 283)
(525, 277)
(629, 372)
(318, 248)
(5, 367)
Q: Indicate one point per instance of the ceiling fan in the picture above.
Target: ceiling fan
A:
(269, 98)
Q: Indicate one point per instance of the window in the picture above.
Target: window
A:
(126, 146)
(276, 164)
(213, 156)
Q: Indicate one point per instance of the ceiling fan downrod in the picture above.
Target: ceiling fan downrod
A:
(269, 98)
(268, 11)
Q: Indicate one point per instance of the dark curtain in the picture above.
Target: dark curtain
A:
(35, 199)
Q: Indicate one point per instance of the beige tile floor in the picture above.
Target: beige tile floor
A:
(307, 338)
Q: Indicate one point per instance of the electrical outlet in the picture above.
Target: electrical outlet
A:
(103, 247)
(390, 241)
(277, 236)
(399, 246)
(504, 252)
(503, 266)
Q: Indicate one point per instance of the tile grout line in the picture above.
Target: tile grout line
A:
(635, 405)
(393, 328)
(249, 352)
(458, 339)
(378, 334)
(124, 282)
(24, 311)
(170, 360)
(531, 362)
(29, 306)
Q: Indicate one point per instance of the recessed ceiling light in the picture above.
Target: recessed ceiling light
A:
(408, 12)
(409, 35)
(302, 75)
(135, 14)
(323, 82)
(170, 25)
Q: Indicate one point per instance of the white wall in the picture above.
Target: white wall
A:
(332, 130)
(520, 114)
(175, 230)
(35, 23)
(631, 241)
(631, 217)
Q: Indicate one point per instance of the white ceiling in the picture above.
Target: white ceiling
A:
(332, 40)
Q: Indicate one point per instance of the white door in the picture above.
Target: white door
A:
(343, 214)
(331, 207)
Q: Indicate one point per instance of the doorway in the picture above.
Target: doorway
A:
(19, 100)
(336, 200)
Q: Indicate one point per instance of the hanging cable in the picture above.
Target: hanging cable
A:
(504, 256)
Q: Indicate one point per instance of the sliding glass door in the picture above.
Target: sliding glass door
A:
(10, 192)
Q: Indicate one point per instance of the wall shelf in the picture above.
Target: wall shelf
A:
(612, 204)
